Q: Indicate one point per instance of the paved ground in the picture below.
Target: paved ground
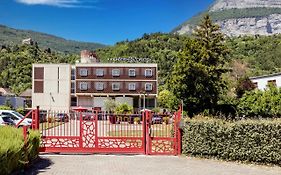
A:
(142, 165)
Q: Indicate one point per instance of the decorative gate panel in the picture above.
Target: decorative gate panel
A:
(163, 135)
(95, 132)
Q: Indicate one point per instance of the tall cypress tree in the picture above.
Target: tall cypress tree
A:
(196, 77)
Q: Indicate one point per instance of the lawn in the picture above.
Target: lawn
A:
(163, 131)
(47, 125)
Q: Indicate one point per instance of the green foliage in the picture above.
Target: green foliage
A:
(3, 107)
(261, 53)
(137, 120)
(244, 85)
(196, 77)
(167, 99)
(249, 140)
(160, 48)
(16, 64)
(21, 110)
(261, 103)
(157, 109)
(110, 105)
(9, 36)
(124, 108)
(14, 154)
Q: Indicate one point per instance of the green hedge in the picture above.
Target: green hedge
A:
(248, 141)
(14, 154)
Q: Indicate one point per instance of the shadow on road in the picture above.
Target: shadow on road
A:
(40, 165)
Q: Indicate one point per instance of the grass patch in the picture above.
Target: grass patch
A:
(14, 153)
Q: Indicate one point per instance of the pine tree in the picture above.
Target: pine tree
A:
(196, 77)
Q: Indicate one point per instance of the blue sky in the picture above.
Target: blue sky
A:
(103, 21)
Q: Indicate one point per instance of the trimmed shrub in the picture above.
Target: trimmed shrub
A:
(3, 107)
(246, 140)
(14, 154)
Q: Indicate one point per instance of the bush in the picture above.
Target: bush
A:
(3, 107)
(21, 110)
(249, 140)
(137, 120)
(124, 108)
(261, 103)
(14, 154)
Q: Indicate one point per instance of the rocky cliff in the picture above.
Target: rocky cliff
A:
(241, 17)
(232, 4)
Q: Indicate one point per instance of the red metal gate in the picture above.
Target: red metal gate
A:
(98, 132)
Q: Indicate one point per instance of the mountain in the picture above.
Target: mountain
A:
(10, 36)
(240, 17)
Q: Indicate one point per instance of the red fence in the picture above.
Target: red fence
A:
(99, 132)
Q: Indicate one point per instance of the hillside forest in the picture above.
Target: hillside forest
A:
(226, 62)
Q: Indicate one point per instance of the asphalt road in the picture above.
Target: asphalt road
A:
(142, 165)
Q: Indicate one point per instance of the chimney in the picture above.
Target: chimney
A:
(89, 57)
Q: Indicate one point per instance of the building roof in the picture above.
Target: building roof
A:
(26, 93)
(6, 91)
(266, 76)
(117, 65)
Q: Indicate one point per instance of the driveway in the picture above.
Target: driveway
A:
(142, 165)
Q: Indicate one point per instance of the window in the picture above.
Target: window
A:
(73, 101)
(83, 72)
(132, 86)
(115, 72)
(132, 72)
(115, 86)
(83, 86)
(72, 87)
(148, 72)
(148, 86)
(99, 72)
(10, 115)
(99, 86)
(271, 82)
(72, 74)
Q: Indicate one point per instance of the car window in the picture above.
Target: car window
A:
(17, 114)
(7, 119)
(10, 115)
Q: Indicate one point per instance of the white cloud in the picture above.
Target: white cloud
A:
(60, 3)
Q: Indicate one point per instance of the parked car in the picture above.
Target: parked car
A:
(62, 117)
(156, 119)
(16, 117)
(6, 121)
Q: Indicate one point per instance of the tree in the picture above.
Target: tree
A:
(167, 99)
(244, 85)
(196, 77)
(110, 105)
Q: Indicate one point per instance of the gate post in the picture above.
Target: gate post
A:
(81, 129)
(144, 132)
(96, 119)
(179, 131)
(35, 118)
(147, 126)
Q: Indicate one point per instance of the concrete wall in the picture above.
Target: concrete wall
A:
(16, 102)
(100, 102)
(263, 81)
(85, 101)
(128, 100)
(56, 94)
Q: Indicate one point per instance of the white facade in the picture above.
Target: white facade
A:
(262, 82)
(56, 87)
